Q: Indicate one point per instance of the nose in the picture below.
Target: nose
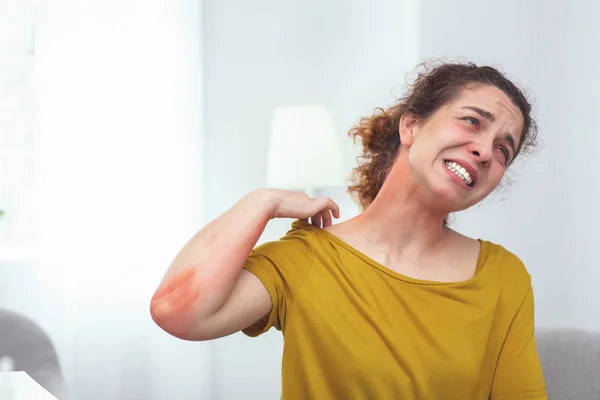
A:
(481, 152)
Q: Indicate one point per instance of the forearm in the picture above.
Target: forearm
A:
(202, 275)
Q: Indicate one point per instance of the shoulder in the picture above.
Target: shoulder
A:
(299, 233)
(510, 267)
(297, 241)
(287, 259)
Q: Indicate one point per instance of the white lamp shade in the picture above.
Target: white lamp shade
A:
(304, 152)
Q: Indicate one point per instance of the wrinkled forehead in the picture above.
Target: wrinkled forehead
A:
(496, 104)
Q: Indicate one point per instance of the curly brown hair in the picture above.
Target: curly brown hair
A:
(436, 85)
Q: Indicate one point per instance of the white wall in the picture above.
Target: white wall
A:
(119, 133)
(550, 216)
(119, 139)
(259, 55)
(350, 56)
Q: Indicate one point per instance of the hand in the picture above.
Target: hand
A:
(289, 204)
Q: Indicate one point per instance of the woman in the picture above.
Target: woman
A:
(392, 304)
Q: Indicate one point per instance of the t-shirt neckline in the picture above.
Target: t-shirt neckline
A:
(483, 250)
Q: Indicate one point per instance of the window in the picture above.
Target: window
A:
(17, 124)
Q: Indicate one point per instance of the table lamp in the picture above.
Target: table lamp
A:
(304, 153)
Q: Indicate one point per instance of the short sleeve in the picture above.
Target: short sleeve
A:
(281, 266)
(518, 371)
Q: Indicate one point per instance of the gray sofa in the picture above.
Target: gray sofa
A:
(31, 350)
(571, 362)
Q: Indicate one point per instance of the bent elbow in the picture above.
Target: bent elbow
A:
(172, 306)
(175, 322)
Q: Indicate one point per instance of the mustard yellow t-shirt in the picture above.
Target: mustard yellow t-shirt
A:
(354, 329)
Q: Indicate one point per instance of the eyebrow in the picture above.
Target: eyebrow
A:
(485, 114)
(490, 117)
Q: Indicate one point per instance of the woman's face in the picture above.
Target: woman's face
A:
(459, 155)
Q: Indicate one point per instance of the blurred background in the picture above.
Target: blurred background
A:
(127, 125)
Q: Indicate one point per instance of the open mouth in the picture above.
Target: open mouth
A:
(460, 172)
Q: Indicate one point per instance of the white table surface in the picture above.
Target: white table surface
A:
(18, 385)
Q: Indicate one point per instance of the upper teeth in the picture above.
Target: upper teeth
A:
(460, 172)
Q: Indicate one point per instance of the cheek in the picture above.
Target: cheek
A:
(450, 139)
(431, 145)
(495, 175)
(419, 162)
(427, 147)
(454, 132)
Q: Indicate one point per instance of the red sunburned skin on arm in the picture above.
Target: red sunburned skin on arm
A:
(211, 263)
(176, 298)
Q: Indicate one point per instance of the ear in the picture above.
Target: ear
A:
(406, 129)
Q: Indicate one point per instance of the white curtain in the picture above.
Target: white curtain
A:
(119, 144)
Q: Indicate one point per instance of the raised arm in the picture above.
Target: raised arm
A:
(205, 294)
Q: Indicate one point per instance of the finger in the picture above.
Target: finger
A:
(333, 206)
(316, 220)
(326, 216)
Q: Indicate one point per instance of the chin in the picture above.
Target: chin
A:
(450, 201)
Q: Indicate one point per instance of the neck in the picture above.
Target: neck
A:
(399, 222)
